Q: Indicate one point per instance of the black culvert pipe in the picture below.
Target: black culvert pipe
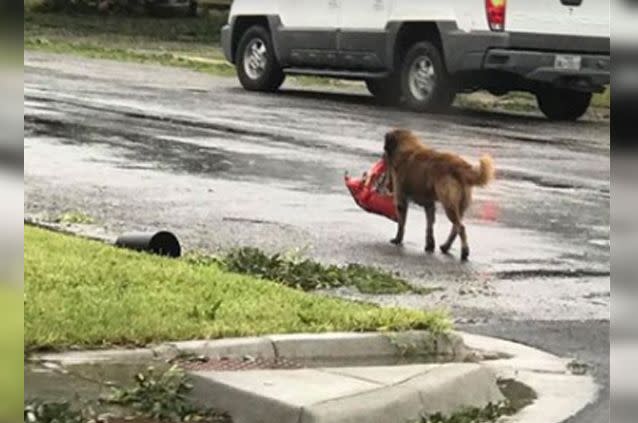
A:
(162, 243)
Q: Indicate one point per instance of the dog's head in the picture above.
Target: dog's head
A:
(393, 141)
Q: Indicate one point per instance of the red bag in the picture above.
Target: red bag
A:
(373, 191)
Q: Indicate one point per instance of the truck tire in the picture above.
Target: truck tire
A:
(257, 65)
(563, 104)
(193, 8)
(426, 85)
(386, 90)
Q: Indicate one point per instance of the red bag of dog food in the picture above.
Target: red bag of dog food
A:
(373, 192)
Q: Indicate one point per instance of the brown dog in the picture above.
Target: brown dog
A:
(424, 176)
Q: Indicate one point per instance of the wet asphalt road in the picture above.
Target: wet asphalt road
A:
(147, 147)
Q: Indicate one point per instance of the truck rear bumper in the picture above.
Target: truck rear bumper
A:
(527, 55)
(591, 75)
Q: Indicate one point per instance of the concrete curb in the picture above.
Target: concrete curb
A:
(560, 394)
(377, 392)
(336, 345)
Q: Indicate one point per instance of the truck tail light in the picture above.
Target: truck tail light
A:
(496, 14)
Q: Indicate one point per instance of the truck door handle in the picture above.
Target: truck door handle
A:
(572, 2)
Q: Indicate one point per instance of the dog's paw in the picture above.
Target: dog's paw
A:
(429, 248)
(444, 248)
(396, 241)
(465, 253)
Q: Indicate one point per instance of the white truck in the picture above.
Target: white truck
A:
(420, 53)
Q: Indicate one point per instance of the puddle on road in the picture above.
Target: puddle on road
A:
(197, 151)
(518, 394)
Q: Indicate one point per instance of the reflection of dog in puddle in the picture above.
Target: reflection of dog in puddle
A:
(425, 176)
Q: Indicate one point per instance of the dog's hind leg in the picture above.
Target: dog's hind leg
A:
(430, 212)
(445, 247)
(465, 248)
(467, 198)
(455, 200)
(457, 228)
(465, 201)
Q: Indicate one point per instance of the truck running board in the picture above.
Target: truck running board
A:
(332, 73)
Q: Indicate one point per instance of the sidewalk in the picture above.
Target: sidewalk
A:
(396, 377)
(384, 394)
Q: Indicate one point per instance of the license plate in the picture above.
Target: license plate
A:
(567, 62)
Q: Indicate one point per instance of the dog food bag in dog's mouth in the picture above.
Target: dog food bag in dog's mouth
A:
(372, 192)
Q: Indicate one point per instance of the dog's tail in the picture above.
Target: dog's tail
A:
(482, 175)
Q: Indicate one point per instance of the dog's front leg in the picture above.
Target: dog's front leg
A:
(401, 203)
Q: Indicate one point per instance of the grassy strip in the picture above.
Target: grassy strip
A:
(185, 42)
(305, 274)
(83, 293)
(199, 30)
(518, 101)
(160, 57)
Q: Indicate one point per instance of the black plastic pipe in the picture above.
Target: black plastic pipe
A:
(162, 243)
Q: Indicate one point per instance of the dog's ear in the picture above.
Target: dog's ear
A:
(390, 145)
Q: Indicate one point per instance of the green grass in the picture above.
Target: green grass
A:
(83, 293)
(11, 353)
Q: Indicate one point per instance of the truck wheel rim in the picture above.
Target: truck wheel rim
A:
(422, 78)
(255, 59)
